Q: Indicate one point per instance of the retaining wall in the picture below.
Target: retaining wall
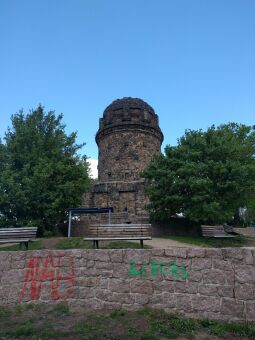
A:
(196, 282)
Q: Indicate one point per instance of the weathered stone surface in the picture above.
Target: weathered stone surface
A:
(223, 265)
(6, 265)
(186, 287)
(176, 252)
(157, 299)
(103, 294)
(157, 252)
(119, 286)
(116, 255)
(142, 299)
(245, 273)
(142, 287)
(163, 286)
(245, 291)
(86, 292)
(248, 256)
(12, 276)
(103, 265)
(170, 300)
(87, 281)
(232, 253)
(205, 303)
(208, 289)
(198, 264)
(183, 302)
(196, 252)
(195, 276)
(250, 311)
(232, 307)
(124, 298)
(98, 255)
(226, 291)
(213, 276)
(121, 271)
(213, 252)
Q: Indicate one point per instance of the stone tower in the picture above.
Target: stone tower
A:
(128, 138)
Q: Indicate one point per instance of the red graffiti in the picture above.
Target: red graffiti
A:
(50, 269)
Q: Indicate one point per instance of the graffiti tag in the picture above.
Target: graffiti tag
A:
(40, 270)
(155, 268)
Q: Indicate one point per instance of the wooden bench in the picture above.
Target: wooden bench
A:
(18, 235)
(105, 232)
(214, 231)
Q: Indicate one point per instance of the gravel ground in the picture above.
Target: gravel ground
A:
(166, 243)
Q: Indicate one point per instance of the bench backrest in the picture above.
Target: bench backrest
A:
(119, 230)
(18, 233)
(211, 231)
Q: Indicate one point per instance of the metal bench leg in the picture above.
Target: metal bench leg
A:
(97, 244)
(25, 244)
(94, 244)
(141, 243)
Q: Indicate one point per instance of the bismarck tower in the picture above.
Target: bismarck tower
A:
(128, 138)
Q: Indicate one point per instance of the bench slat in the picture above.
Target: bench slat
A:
(118, 231)
(120, 225)
(116, 238)
(14, 241)
(101, 232)
(17, 235)
(217, 231)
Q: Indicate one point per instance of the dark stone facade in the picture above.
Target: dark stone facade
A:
(128, 138)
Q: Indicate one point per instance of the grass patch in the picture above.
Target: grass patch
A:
(4, 312)
(26, 328)
(238, 241)
(170, 326)
(61, 309)
(118, 313)
(73, 243)
(124, 244)
(34, 245)
(79, 243)
(58, 322)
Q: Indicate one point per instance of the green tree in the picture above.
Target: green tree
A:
(206, 177)
(41, 174)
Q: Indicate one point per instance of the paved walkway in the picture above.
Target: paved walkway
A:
(166, 243)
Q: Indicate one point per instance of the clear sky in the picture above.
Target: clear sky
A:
(193, 61)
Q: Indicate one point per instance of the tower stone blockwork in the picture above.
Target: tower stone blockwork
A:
(128, 138)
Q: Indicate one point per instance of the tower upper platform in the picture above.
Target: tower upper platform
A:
(129, 113)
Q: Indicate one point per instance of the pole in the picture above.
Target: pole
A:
(69, 223)
(109, 215)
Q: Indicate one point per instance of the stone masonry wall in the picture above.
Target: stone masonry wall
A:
(123, 155)
(196, 282)
(118, 195)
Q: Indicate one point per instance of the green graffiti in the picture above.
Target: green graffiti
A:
(135, 272)
(174, 270)
(184, 273)
(164, 268)
(155, 268)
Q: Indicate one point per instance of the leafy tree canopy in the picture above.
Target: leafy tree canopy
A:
(206, 177)
(41, 174)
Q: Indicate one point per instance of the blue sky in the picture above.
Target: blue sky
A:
(193, 61)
